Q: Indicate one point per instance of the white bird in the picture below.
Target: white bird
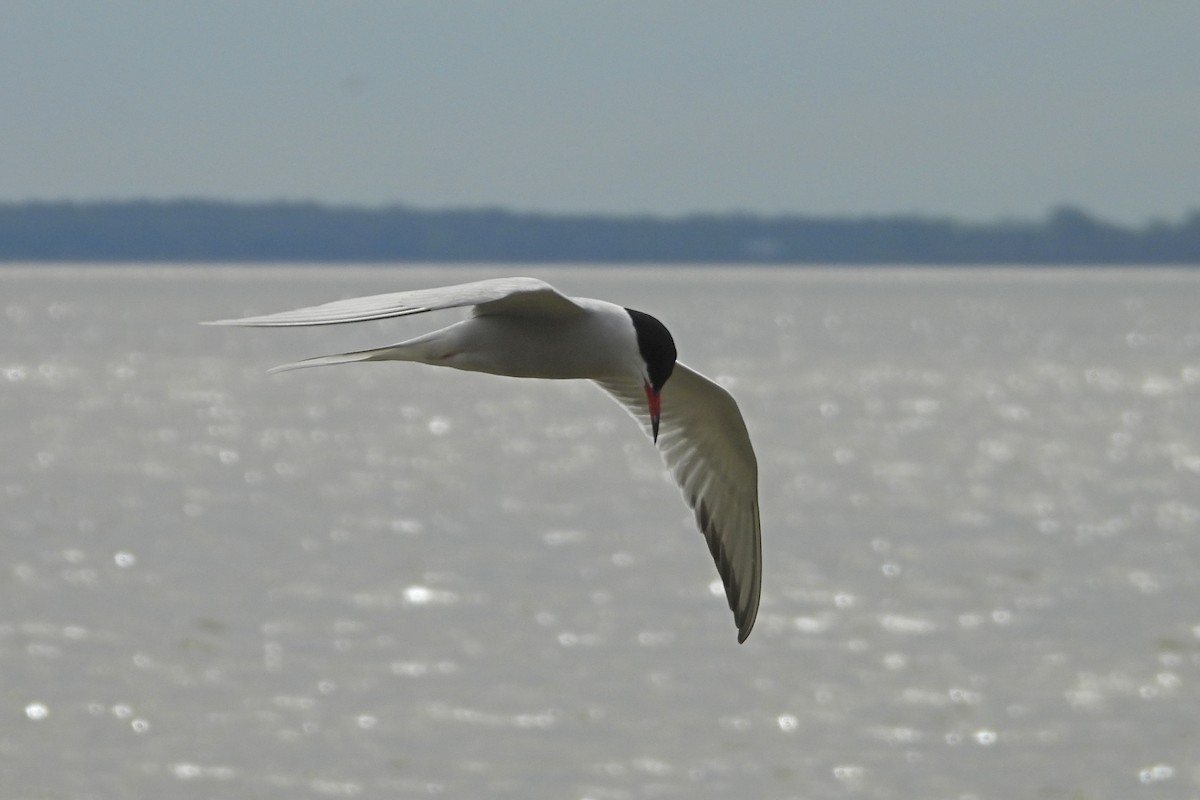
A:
(525, 328)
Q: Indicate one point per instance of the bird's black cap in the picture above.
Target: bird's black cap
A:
(656, 346)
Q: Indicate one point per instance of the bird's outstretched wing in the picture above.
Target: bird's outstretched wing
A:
(526, 296)
(704, 442)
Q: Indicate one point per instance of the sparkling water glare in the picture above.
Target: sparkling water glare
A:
(980, 520)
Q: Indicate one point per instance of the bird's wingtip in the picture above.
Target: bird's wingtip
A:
(287, 367)
(745, 622)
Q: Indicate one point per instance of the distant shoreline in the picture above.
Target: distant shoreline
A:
(221, 231)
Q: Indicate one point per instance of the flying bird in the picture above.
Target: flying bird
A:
(524, 327)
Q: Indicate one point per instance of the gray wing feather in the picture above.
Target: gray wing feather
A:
(704, 442)
(527, 296)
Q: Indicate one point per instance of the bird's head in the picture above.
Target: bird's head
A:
(658, 353)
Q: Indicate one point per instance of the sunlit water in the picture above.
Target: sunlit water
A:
(980, 503)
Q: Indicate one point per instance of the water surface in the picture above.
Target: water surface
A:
(980, 520)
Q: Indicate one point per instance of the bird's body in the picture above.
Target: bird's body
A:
(558, 347)
(523, 327)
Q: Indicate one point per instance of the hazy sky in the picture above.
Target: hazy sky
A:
(974, 109)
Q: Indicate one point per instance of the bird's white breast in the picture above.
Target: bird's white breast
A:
(598, 343)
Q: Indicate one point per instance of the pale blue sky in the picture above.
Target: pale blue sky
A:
(978, 110)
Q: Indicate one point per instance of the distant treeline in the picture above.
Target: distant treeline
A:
(202, 230)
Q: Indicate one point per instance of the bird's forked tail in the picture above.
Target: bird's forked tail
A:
(394, 352)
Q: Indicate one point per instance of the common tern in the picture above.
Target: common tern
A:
(525, 328)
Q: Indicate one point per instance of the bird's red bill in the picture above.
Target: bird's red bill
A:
(654, 401)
